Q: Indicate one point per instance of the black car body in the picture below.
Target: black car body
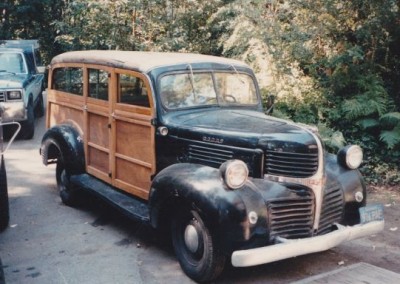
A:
(229, 180)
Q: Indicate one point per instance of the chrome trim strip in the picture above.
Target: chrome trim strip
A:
(315, 182)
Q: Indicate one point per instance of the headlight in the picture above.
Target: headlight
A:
(14, 95)
(350, 156)
(234, 173)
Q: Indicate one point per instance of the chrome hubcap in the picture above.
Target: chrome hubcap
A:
(191, 238)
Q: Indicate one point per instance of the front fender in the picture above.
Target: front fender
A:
(65, 140)
(202, 187)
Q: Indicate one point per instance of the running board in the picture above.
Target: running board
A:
(127, 204)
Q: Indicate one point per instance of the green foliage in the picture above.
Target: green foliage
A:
(331, 63)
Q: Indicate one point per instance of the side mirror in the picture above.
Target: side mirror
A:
(270, 104)
(41, 69)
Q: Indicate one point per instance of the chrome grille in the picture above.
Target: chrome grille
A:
(332, 208)
(300, 165)
(209, 155)
(2, 96)
(291, 217)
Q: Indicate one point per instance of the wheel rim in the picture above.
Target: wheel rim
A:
(191, 237)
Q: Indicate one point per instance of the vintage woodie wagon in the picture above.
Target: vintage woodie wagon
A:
(181, 142)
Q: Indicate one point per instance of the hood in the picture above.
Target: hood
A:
(240, 128)
(12, 81)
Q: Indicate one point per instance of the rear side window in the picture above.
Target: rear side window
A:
(68, 80)
(132, 90)
(98, 84)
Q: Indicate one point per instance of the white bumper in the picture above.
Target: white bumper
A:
(291, 248)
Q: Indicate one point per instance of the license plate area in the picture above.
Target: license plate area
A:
(371, 213)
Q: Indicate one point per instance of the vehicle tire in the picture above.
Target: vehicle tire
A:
(195, 247)
(28, 126)
(4, 206)
(68, 193)
(39, 108)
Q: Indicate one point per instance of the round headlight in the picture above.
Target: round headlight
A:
(351, 156)
(235, 173)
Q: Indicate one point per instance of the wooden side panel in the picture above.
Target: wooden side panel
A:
(134, 155)
(61, 109)
(133, 141)
(98, 139)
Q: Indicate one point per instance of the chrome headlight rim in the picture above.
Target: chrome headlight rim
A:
(350, 157)
(234, 173)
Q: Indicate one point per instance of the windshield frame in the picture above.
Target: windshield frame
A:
(212, 73)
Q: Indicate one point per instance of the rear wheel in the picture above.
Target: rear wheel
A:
(195, 247)
(4, 207)
(68, 192)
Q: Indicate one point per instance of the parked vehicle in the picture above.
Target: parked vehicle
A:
(21, 83)
(4, 206)
(181, 142)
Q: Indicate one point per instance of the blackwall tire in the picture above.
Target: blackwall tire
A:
(195, 247)
(4, 206)
(39, 109)
(68, 193)
(28, 126)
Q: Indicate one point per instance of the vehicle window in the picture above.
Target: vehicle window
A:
(12, 62)
(199, 89)
(98, 84)
(68, 80)
(186, 90)
(236, 88)
(132, 90)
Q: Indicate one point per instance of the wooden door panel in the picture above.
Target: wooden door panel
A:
(98, 139)
(132, 177)
(134, 154)
(133, 140)
(98, 130)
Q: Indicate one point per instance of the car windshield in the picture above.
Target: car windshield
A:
(190, 89)
(12, 62)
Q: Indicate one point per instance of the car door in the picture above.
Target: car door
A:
(97, 122)
(133, 144)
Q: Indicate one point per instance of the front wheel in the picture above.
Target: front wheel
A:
(28, 126)
(68, 192)
(195, 247)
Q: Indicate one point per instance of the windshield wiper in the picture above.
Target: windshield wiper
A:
(5, 71)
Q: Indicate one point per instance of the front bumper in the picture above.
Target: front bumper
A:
(13, 111)
(291, 248)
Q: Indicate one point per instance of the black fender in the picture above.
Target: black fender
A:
(202, 188)
(66, 140)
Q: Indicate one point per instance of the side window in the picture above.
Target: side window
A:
(68, 80)
(98, 84)
(132, 90)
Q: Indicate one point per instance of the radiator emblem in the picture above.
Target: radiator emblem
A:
(213, 140)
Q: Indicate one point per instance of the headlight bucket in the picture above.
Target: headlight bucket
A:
(234, 173)
(14, 95)
(350, 157)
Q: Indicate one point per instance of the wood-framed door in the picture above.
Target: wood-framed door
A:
(98, 87)
(132, 133)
